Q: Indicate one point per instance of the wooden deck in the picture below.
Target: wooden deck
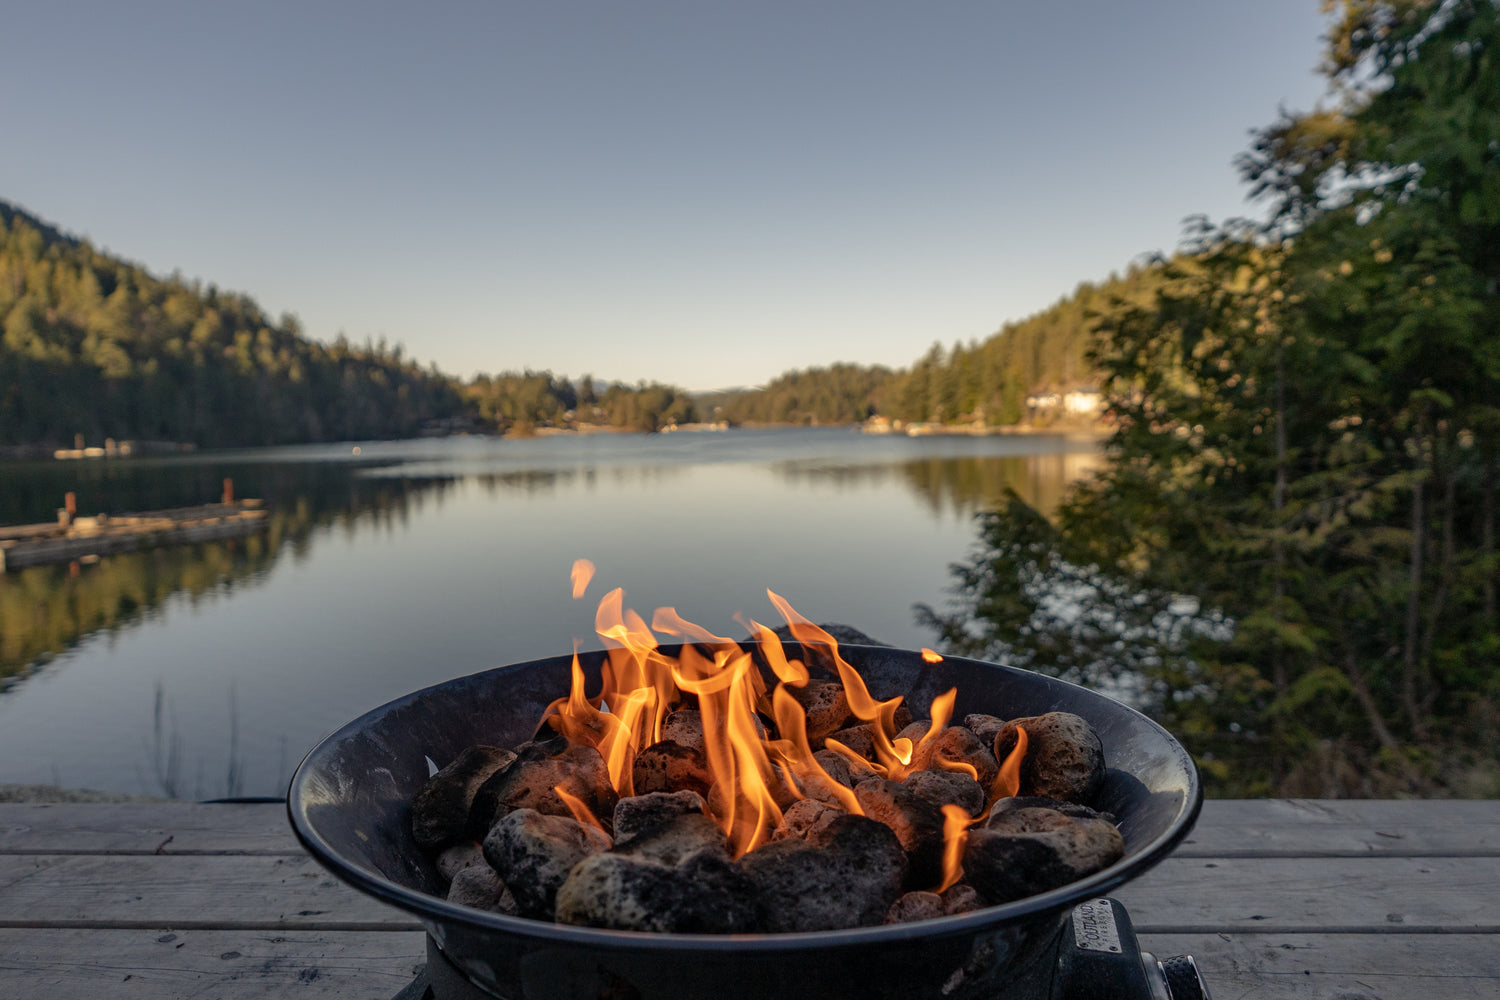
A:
(1276, 898)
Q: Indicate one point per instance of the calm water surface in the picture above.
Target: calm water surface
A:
(210, 670)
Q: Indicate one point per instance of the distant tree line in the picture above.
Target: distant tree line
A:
(985, 381)
(838, 394)
(96, 346)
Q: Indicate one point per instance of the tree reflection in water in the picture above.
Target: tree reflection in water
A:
(45, 610)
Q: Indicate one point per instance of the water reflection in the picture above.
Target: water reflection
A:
(210, 669)
(958, 486)
(45, 610)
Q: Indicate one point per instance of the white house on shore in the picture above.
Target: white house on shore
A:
(1079, 401)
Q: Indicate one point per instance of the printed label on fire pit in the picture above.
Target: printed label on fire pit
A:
(1094, 926)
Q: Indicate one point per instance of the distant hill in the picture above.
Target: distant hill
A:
(94, 345)
(989, 381)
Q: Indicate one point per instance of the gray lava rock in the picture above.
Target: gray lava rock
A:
(1064, 757)
(1026, 849)
(478, 886)
(948, 788)
(986, 727)
(954, 744)
(860, 739)
(705, 894)
(533, 852)
(685, 728)
(641, 814)
(681, 837)
(805, 818)
(915, 906)
(962, 898)
(458, 857)
(846, 875)
(824, 789)
(916, 822)
(846, 772)
(825, 705)
(528, 782)
(669, 766)
(440, 811)
(839, 631)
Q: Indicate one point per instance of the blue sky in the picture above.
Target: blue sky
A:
(701, 193)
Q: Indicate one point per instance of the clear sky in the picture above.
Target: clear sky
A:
(704, 193)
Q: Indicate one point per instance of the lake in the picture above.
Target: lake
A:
(208, 671)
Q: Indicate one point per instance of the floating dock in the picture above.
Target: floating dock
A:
(104, 534)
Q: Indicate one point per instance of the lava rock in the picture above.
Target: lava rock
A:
(528, 782)
(860, 739)
(955, 745)
(533, 852)
(916, 822)
(1026, 849)
(915, 906)
(986, 727)
(840, 632)
(704, 894)
(943, 788)
(478, 886)
(643, 814)
(825, 705)
(1064, 756)
(440, 811)
(685, 728)
(680, 837)
(458, 857)
(669, 766)
(1015, 804)
(846, 772)
(962, 898)
(805, 818)
(846, 875)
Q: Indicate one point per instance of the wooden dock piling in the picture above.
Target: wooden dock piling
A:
(74, 537)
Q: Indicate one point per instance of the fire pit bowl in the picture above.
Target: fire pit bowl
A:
(350, 805)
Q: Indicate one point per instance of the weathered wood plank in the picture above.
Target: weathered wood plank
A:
(1332, 828)
(1226, 828)
(184, 891)
(146, 828)
(1345, 966)
(161, 965)
(1375, 895)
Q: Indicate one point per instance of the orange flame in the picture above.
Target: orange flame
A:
(583, 572)
(956, 823)
(751, 772)
(1008, 781)
(580, 810)
(927, 654)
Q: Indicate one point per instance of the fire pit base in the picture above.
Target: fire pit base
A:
(1096, 954)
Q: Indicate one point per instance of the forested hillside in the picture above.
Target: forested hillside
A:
(97, 346)
(839, 394)
(987, 381)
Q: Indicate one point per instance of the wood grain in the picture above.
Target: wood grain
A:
(1276, 898)
(1342, 966)
(250, 965)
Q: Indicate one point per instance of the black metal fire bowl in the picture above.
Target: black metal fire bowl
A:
(350, 805)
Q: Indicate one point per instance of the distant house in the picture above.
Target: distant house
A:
(1079, 401)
